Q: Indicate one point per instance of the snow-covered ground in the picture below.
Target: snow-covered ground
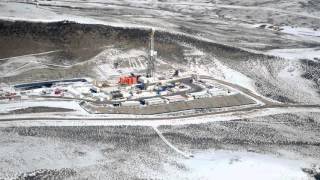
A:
(100, 151)
(300, 31)
(15, 66)
(292, 75)
(294, 54)
(91, 120)
(242, 165)
(31, 12)
(127, 61)
(294, 36)
(43, 12)
(32, 153)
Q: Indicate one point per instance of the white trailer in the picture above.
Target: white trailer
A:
(176, 98)
(163, 93)
(130, 103)
(217, 92)
(154, 101)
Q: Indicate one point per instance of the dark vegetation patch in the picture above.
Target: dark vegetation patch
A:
(46, 74)
(275, 130)
(271, 91)
(26, 38)
(125, 137)
(312, 72)
(310, 5)
(313, 171)
(38, 109)
(48, 174)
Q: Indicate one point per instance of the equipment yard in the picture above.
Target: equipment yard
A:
(138, 94)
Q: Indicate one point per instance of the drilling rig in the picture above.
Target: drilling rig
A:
(152, 56)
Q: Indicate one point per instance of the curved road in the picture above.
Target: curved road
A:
(158, 118)
(241, 89)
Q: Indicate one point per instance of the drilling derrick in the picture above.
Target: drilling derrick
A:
(152, 56)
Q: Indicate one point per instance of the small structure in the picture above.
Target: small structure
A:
(101, 84)
(94, 89)
(146, 80)
(116, 95)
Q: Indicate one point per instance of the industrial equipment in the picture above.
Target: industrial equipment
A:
(128, 80)
(152, 56)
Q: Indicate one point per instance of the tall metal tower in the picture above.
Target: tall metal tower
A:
(152, 56)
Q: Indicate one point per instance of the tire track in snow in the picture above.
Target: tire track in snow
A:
(186, 155)
(26, 55)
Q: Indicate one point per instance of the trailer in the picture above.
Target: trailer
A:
(154, 101)
(199, 95)
(217, 91)
(130, 103)
(176, 98)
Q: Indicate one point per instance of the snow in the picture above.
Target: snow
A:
(187, 155)
(17, 10)
(217, 70)
(15, 66)
(207, 165)
(19, 154)
(106, 59)
(235, 77)
(300, 31)
(298, 53)
(291, 75)
(29, 12)
(100, 120)
(241, 165)
(193, 52)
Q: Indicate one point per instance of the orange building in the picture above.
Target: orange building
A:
(128, 80)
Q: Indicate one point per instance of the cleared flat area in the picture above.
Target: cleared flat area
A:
(205, 103)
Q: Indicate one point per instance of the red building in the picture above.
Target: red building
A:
(128, 80)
